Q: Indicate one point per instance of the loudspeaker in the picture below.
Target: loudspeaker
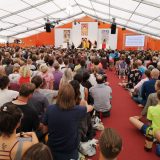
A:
(48, 27)
(17, 41)
(113, 28)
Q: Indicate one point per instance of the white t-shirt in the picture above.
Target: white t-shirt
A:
(7, 96)
(92, 79)
(14, 78)
(82, 92)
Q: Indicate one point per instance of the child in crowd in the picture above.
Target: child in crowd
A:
(122, 67)
(110, 144)
(38, 151)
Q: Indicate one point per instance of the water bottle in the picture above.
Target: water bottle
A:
(149, 140)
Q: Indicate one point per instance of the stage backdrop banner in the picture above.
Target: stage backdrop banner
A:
(105, 36)
(67, 35)
(76, 34)
(62, 36)
(84, 29)
(111, 39)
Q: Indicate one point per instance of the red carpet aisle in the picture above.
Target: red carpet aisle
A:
(123, 108)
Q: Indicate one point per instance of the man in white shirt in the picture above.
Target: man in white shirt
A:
(146, 78)
(6, 95)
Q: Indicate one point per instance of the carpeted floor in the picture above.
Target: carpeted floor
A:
(123, 108)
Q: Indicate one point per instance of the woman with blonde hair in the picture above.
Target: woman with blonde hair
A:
(25, 75)
(47, 77)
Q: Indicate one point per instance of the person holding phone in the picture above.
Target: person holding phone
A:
(12, 145)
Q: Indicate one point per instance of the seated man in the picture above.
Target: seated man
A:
(136, 92)
(152, 99)
(38, 100)
(30, 120)
(110, 144)
(101, 94)
(82, 69)
(148, 86)
(6, 95)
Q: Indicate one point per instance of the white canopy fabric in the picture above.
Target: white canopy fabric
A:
(21, 18)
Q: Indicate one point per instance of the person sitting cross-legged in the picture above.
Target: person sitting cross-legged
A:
(62, 121)
(101, 94)
(148, 86)
(153, 116)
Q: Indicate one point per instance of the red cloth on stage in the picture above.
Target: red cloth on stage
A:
(103, 45)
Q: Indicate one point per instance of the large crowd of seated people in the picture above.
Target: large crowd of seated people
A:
(49, 95)
(143, 73)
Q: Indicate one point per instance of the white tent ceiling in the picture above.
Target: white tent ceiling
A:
(21, 18)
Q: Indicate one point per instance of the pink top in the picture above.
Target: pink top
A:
(48, 77)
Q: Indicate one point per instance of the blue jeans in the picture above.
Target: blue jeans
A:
(139, 100)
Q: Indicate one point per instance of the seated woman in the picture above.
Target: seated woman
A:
(47, 77)
(12, 146)
(134, 76)
(38, 151)
(85, 130)
(66, 78)
(153, 115)
(25, 75)
(83, 90)
(85, 83)
(110, 144)
(62, 122)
